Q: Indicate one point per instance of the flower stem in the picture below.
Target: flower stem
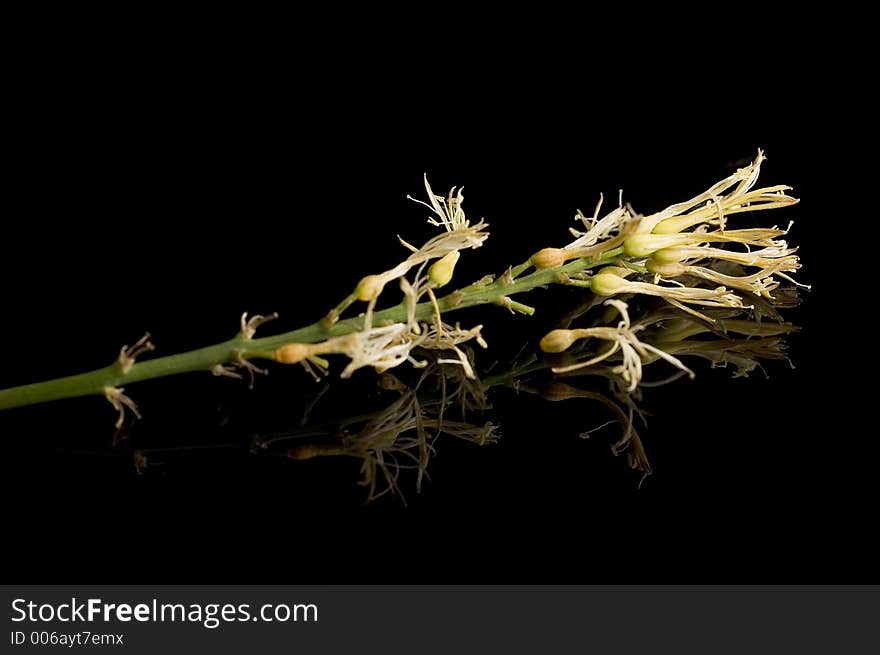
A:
(204, 359)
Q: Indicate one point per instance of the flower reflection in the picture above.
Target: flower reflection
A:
(396, 439)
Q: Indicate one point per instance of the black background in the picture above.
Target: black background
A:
(170, 192)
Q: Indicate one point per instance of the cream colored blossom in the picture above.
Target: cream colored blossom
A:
(458, 234)
(760, 283)
(385, 347)
(621, 338)
(443, 337)
(600, 229)
(731, 195)
(608, 284)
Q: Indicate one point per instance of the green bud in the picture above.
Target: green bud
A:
(674, 225)
(441, 271)
(643, 245)
(669, 255)
(619, 271)
(558, 341)
(640, 245)
(549, 258)
(607, 284)
(369, 288)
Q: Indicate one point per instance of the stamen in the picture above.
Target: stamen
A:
(121, 403)
(249, 325)
(252, 370)
(128, 354)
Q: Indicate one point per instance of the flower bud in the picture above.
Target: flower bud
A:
(666, 269)
(619, 271)
(674, 225)
(558, 341)
(369, 288)
(549, 258)
(670, 255)
(640, 245)
(607, 284)
(292, 353)
(441, 271)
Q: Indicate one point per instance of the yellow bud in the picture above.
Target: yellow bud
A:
(673, 225)
(669, 255)
(558, 341)
(619, 271)
(607, 284)
(441, 271)
(666, 269)
(549, 258)
(292, 353)
(369, 288)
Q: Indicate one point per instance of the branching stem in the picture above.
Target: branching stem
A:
(204, 359)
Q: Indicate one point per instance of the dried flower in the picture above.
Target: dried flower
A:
(608, 284)
(622, 338)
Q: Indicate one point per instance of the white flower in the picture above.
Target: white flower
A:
(622, 338)
(443, 337)
(760, 283)
(600, 229)
(731, 195)
(644, 245)
(380, 347)
(610, 284)
(459, 235)
(386, 347)
(448, 209)
(762, 257)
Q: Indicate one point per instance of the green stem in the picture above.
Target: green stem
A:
(204, 359)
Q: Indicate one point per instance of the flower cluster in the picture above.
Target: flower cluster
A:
(682, 246)
(401, 436)
(387, 346)
(685, 254)
(621, 338)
